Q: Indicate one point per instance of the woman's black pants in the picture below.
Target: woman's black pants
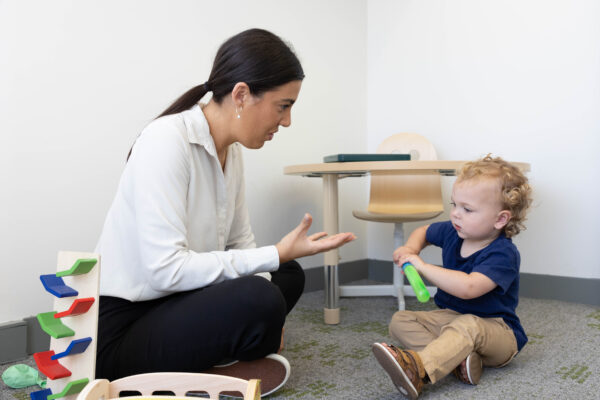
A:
(238, 319)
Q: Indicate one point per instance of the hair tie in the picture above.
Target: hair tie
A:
(207, 86)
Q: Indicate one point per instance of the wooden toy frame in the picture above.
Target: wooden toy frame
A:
(74, 364)
(178, 383)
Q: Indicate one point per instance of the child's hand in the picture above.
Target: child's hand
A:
(413, 259)
(402, 251)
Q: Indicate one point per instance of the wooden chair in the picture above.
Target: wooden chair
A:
(169, 386)
(398, 198)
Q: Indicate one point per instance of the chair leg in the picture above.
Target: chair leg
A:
(397, 274)
(399, 285)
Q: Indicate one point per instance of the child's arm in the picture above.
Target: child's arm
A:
(415, 243)
(457, 283)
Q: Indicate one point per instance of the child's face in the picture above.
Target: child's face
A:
(477, 213)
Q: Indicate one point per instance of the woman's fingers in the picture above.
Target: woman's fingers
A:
(335, 241)
(297, 244)
(305, 224)
(317, 236)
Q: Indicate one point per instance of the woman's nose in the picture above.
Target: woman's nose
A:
(286, 120)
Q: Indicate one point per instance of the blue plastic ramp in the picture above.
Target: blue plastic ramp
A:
(56, 286)
(75, 347)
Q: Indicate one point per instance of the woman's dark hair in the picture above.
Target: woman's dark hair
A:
(256, 56)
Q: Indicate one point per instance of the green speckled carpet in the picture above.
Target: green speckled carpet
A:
(561, 360)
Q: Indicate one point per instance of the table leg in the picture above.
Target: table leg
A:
(331, 226)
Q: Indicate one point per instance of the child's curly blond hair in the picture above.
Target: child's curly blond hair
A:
(515, 192)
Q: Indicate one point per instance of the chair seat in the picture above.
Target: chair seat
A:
(395, 218)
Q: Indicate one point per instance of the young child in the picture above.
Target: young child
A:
(478, 286)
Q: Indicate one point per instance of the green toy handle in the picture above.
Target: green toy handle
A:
(416, 282)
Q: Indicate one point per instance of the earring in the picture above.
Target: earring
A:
(238, 112)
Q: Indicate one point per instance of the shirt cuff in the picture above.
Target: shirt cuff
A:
(264, 259)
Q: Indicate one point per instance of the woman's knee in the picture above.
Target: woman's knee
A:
(289, 278)
(262, 297)
(291, 274)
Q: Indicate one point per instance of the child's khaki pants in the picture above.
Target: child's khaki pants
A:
(444, 338)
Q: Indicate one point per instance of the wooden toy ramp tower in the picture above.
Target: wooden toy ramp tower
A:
(73, 325)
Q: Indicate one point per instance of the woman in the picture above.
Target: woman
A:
(179, 290)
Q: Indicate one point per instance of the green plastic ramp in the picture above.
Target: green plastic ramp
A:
(72, 387)
(54, 326)
(81, 266)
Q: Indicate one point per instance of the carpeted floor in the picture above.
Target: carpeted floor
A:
(561, 360)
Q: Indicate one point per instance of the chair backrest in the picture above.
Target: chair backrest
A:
(410, 192)
(170, 383)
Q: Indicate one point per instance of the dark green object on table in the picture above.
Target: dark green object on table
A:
(366, 157)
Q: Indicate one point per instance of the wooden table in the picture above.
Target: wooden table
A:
(331, 173)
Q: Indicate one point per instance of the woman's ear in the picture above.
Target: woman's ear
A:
(502, 219)
(240, 94)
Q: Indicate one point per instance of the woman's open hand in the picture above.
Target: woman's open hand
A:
(297, 244)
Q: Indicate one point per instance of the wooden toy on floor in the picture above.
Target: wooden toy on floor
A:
(70, 370)
(159, 385)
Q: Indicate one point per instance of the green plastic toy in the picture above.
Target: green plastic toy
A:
(21, 376)
(416, 282)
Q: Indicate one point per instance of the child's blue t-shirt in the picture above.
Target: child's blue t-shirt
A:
(499, 261)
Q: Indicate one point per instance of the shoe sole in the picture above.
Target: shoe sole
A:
(288, 369)
(394, 370)
(474, 368)
(239, 369)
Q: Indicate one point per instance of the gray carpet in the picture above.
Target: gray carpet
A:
(561, 360)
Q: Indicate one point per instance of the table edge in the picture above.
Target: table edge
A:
(444, 167)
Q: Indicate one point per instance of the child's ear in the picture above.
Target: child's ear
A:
(502, 219)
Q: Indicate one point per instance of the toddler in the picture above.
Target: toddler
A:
(476, 324)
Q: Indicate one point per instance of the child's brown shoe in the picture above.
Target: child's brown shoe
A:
(470, 370)
(404, 367)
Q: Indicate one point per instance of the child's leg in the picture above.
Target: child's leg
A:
(416, 329)
(489, 337)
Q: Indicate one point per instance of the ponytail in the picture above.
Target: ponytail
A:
(184, 102)
(187, 100)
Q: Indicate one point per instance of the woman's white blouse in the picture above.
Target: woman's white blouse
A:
(178, 221)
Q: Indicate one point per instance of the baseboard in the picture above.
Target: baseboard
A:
(550, 287)
(13, 341)
(347, 272)
(563, 288)
(37, 339)
(20, 339)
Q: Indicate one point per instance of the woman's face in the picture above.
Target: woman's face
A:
(261, 116)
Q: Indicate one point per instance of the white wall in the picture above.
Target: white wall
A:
(80, 79)
(520, 79)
